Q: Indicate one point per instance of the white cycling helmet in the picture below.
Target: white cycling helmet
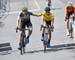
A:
(70, 3)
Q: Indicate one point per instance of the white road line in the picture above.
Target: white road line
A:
(15, 12)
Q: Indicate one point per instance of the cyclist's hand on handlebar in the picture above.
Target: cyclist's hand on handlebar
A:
(52, 28)
(65, 20)
(41, 27)
(16, 29)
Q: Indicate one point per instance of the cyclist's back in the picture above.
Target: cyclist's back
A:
(25, 18)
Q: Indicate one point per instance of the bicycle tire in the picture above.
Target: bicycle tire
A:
(44, 48)
(21, 51)
(24, 49)
(45, 45)
(24, 46)
(45, 42)
(71, 33)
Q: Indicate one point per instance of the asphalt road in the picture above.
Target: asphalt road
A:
(35, 48)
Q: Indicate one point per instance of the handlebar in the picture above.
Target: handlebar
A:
(21, 29)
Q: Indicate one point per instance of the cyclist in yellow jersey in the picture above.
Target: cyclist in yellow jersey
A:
(47, 20)
(47, 17)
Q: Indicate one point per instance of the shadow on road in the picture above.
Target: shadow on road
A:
(56, 48)
(5, 53)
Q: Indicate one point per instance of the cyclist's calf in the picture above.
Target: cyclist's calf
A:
(21, 36)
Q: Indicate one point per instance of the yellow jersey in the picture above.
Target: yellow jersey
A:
(48, 17)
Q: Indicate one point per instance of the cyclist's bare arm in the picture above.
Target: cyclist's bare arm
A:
(42, 22)
(52, 24)
(17, 21)
(37, 14)
(52, 20)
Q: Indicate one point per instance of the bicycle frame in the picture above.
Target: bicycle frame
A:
(22, 50)
(45, 42)
(23, 43)
(70, 26)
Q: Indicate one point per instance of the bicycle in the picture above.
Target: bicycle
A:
(45, 41)
(23, 48)
(70, 26)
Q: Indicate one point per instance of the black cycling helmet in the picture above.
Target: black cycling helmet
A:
(47, 9)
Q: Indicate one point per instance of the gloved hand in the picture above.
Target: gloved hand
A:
(41, 27)
(52, 28)
(16, 29)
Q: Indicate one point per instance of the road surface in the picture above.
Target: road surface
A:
(35, 48)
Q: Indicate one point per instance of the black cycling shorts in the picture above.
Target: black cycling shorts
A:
(68, 15)
(48, 23)
(26, 24)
